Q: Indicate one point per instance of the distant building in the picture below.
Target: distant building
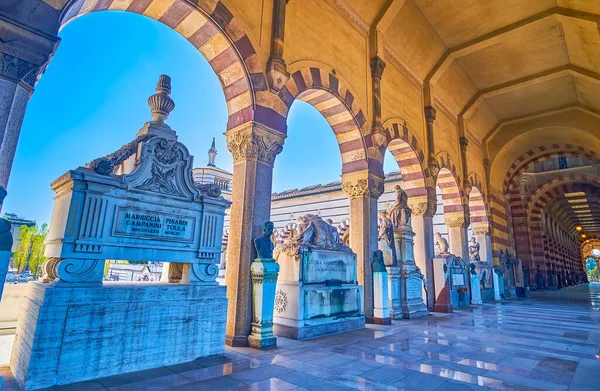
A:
(16, 223)
(150, 272)
(212, 174)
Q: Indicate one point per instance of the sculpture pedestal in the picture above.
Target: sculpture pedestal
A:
(498, 286)
(441, 286)
(67, 335)
(411, 279)
(475, 289)
(395, 305)
(4, 260)
(264, 281)
(381, 311)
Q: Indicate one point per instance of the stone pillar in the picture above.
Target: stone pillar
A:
(363, 188)
(457, 236)
(381, 309)
(24, 53)
(481, 232)
(264, 281)
(430, 115)
(277, 74)
(424, 247)
(254, 148)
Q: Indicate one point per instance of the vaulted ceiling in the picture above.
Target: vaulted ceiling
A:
(497, 61)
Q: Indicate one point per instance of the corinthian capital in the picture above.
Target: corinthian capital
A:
(454, 221)
(254, 142)
(362, 184)
(480, 229)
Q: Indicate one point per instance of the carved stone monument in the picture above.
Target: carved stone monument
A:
(475, 286)
(459, 283)
(381, 311)
(474, 251)
(264, 272)
(6, 242)
(139, 203)
(317, 289)
(498, 284)
(411, 278)
(387, 245)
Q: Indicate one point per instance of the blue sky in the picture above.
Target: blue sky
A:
(92, 99)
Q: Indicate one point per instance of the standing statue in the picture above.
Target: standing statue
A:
(400, 212)
(474, 250)
(264, 244)
(441, 244)
(386, 241)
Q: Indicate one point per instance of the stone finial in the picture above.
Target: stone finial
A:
(160, 103)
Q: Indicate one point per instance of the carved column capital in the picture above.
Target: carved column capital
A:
(464, 142)
(377, 67)
(430, 114)
(357, 185)
(480, 229)
(456, 221)
(253, 141)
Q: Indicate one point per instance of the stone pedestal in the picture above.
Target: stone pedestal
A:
(422, 225)
(441, 286)
(4, 260)
(475, 289)
(264, 281)
(486, 280)
(498, 285)
(411, 278)
(394, 303)
(67, 335)
(381, 310)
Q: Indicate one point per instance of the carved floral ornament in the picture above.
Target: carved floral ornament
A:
(455, 221)
(480, 230)
(254, 143)
(363, 187)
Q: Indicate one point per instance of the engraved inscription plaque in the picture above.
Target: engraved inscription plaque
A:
(153, 225)
(458, 279)
(413, 288)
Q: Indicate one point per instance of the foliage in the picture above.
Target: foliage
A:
(593, 273)
(30, 249)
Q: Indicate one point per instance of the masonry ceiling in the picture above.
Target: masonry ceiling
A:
(515, 57)
(577, 209)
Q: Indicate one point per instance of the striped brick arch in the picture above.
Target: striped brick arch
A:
(215, 32)
(478, 213)
(451, 194)
(542, 196)
(407, 152)
(334, 100)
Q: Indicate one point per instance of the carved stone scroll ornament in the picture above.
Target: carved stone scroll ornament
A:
(253, 144)
(48, 273)
(372, 187)
(204, 272)
(76, 270)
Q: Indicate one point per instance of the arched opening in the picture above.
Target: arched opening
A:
(480, 245)
(449, 220)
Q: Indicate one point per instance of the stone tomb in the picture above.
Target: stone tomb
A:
(139, 203)
(317, 291)
(459, 283)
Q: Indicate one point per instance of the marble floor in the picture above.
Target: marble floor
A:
(550, 341)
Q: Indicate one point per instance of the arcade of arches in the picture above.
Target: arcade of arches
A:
(498, 112)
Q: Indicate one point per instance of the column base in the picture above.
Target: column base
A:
(439, 307)
(383, 321)
(262, 342)
(236, 341)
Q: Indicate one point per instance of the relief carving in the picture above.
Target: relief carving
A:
(372, 187)
(252, 143)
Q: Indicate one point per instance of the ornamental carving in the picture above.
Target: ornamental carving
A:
(455, 222)
(480, 230)
(251, 146)
(281, 301)
(19, 69)
(419, 209)
(372, 187)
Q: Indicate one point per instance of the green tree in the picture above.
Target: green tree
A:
(21, 253)
(36, 257)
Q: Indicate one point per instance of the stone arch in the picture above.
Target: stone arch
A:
(541, 153)
(219, 36)
(407, 152)
(449, 182)
(344, 230)
(478, 212)
(334, 100)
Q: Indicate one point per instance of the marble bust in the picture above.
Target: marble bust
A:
(441, 244)
(378, 265)
(474, 250)
(264, 244)
(400, 212)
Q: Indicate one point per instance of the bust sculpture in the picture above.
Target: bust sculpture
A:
(400, 212)
(441, 244)
(378, 265)
(473, 266)
(385, 238)
(264, 244)
(6, 239)
(474, 250)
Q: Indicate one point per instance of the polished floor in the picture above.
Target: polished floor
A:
(550, 341)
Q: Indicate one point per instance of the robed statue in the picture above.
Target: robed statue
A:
(441, 244)
(400, 211)
(474, 250)
(386, 241)
(313, 232)
(264, 244)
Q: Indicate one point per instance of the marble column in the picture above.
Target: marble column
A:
(254, 148)
(363, 188)
(457, 236)
(24, 53)
(424, 247)
(482, 235)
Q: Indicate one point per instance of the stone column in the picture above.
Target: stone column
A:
(457, 236)
(363, 188)
(24, 53)
(254, 148)
(424, 248)
(482, 235)
(277, 74)
(430, 115)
